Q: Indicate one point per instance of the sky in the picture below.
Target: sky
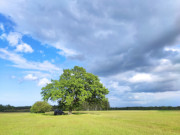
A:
(133, 46)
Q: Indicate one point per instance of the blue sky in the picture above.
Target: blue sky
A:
(132, 46)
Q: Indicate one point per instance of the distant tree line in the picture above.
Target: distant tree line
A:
(104, 105)
(9, 108)
(87, 107)
(147, 108)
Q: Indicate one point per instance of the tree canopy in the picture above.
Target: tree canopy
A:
(74, 87)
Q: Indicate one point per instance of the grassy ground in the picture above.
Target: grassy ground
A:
(92, 123)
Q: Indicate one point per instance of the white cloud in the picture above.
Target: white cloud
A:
(172, 49)
(40, 81)
(65, 51)
(13, 77)
(30, 77)
(157, 99)
(11, 56)
(141, 77)
(24, 48)
(43, 82)
(2, 27)
(118, 88)
(40, 74)
(21, 62)
(167, 66)
(13, 38)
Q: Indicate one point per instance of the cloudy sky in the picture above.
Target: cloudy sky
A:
(133, 46)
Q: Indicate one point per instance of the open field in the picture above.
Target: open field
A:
(92, 123)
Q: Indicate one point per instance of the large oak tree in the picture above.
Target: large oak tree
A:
(74, 87)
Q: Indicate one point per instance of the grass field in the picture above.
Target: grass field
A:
(92, 123)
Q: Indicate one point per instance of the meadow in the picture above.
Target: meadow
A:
(92, 123)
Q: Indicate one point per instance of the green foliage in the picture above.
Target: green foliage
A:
(103, 105)
(74, 87)
(40, 107)
(6, 108)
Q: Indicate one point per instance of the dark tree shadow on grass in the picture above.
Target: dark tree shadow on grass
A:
(52, 113)
(79, 113)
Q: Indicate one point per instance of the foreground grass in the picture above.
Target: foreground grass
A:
(92, 123)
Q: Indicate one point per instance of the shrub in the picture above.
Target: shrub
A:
(41, 107)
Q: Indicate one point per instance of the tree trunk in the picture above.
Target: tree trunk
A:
(70, 111)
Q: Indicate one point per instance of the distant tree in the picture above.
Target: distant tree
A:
(103, 105)
(2, 108)
(40, 107)
(74, 87)
(106, 105)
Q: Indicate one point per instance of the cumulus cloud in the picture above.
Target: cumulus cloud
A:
(43, 82)
(172, 49)
(116, 88)
(142, 78)
(14, 38)
(30, 77)
(24, 48)
(40, 81)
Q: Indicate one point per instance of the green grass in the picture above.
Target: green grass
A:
(92, 123)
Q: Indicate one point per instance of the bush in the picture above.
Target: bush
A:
(41, 107)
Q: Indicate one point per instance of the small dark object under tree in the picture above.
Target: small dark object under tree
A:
(58, 112)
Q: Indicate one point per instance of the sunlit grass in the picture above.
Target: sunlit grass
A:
(92, 123)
